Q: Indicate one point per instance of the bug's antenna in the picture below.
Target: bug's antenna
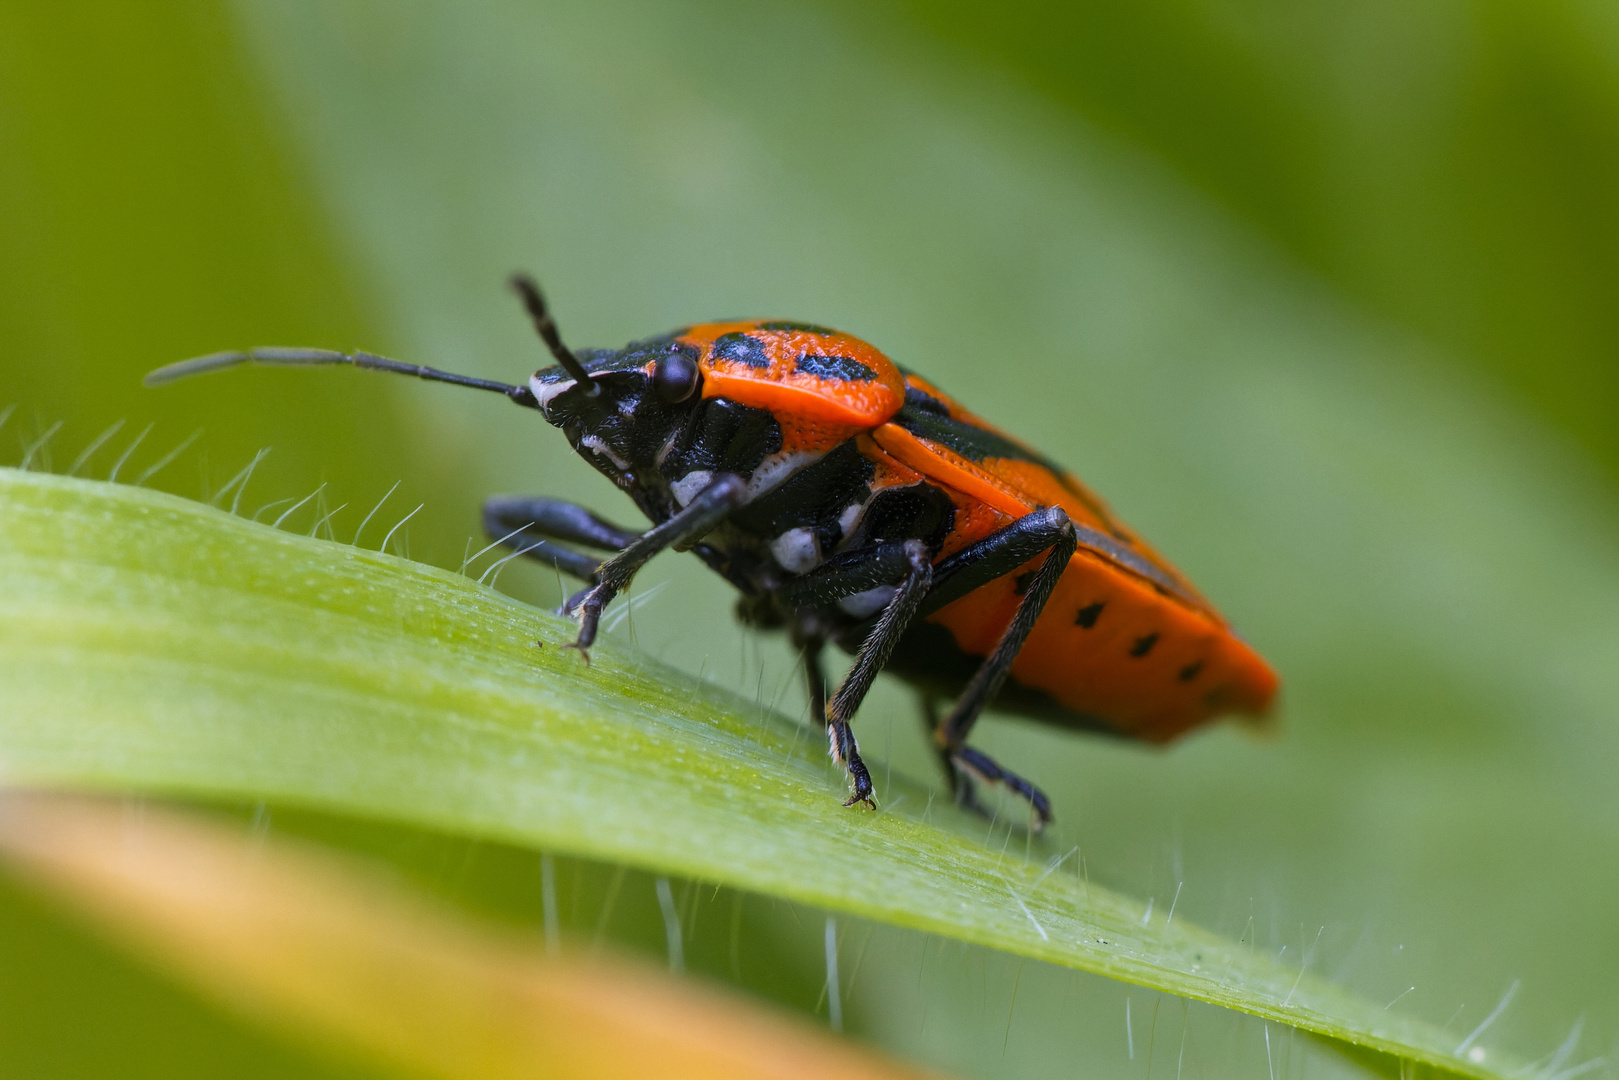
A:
(307, 357)
(534, 301)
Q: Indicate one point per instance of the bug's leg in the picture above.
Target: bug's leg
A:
(707, 509)
(553, 518)
(528, 525)
(840, 740)
(1051, 531)
(960, 783)
(873, 654)
(847, 574)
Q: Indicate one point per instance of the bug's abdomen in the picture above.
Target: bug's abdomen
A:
(1123, 642)
(1111, 648)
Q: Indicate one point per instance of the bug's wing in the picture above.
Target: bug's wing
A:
(1159, 662)
(939, 439)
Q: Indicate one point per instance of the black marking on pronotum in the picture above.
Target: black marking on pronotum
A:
(1089, 613)
(742, 349)
(1020, 584)
(802, 327)
(835, 367)
(1144, 645)
(1189, 672)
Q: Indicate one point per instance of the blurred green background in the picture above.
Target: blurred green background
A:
(1321, 296)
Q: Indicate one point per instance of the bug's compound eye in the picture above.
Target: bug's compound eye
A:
(675, 377)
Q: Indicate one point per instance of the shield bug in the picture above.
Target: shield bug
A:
(851, 502)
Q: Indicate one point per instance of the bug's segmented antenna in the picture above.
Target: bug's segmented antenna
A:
(315, 357)
(546, 327)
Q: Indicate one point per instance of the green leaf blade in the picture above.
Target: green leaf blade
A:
(149, 643)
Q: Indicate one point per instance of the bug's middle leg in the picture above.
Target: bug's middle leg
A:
(904, 567)
(840, 739)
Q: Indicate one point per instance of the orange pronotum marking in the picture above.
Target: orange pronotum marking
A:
(789, 392)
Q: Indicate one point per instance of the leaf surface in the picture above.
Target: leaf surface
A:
(152, 644)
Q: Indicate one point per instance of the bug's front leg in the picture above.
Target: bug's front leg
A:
(840, 739)
(528, 525)
(706, 510)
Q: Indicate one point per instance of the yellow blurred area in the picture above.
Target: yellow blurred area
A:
(331, 954)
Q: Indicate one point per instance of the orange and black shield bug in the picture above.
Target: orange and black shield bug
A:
(853, 503)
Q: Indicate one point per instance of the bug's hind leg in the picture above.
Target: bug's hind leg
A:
(970, 765)
(1055, 534)
(960, 783)
(965, 767)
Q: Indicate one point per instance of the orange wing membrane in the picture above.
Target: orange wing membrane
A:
(1125, 640)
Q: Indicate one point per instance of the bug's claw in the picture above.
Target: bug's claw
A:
(843, 749)
(860, 784)
(586, 606)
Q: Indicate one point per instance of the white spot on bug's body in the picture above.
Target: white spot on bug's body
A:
(772, 471)
(862, 604)
(663, 452)
(776, 468)
(850, 518)
(595, 445)
(796, 550)
(544, 391)
(686, 488)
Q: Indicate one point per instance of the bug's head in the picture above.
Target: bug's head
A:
(618, 408)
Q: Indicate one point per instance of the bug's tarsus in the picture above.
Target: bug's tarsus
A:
(707, 509)
(534, 302)
(971, 764)
(284, 357)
